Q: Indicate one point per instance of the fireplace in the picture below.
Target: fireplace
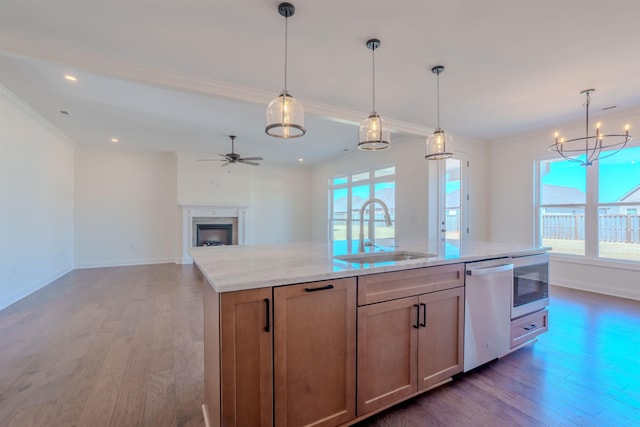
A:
(222, 229)
(214, 234)
(204, 225)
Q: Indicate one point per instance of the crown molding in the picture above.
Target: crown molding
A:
(6, 93)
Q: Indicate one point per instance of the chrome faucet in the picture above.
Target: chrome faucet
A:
(387, 219)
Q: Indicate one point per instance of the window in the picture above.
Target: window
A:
(347, 194)
(591, 211)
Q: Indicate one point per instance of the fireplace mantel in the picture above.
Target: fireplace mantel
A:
(212, 211)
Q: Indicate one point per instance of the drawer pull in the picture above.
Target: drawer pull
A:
(528, 328)
(267, 320)
(323, 288)
(417, 325)
(424, 315)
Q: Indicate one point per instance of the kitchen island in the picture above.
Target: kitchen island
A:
(295, 334)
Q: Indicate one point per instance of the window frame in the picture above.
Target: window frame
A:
(591, 206)
(371, 181)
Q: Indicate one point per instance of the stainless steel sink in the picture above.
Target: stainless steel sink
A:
(376, 257)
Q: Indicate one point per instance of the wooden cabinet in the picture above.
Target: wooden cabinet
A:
(387, 353)
(315, 353)
(440, 340)
(526, 328)
(286, 356)
(410, 344)
(246, 358)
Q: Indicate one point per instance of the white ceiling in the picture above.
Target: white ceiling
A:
(182, 75)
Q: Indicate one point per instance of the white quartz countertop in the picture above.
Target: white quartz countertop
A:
(239, 267)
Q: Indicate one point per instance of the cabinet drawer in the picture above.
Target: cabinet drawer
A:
(400, 284)
(529, 327)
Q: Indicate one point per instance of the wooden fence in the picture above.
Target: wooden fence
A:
(623, 228)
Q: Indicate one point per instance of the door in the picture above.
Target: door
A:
(440, 337)
(448, 216)
(315, 353)
(387, 353)
(246, 349)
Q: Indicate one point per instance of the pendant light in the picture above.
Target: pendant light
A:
(439, 143)
(374, 133)
(285, 115)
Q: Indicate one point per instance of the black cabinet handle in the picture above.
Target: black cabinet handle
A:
(424, 315)
(530, 327)
(323, 288)
(417, 325)
(267, 319)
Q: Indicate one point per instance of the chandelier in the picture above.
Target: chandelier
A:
(589, 148)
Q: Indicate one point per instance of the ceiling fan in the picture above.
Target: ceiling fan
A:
(234, 157)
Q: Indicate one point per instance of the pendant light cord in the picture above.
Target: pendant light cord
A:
(286, 26)
(438, 96)
(373, 67)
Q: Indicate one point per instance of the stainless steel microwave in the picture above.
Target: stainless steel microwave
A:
(530, 284)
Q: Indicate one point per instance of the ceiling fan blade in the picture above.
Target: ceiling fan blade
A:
(248, 163)
(225, 163)
(252, 158)
(211, 160)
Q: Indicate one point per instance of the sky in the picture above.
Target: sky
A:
(619, 174)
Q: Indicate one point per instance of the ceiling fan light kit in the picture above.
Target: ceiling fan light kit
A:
(285, 115)
(589, 148)
(374, 133)
(439, 145)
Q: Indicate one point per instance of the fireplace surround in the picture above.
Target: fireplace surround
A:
(218, 225)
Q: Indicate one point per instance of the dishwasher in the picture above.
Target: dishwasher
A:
(487, 311)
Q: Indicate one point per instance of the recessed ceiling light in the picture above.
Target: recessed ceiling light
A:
(70, 77)
(300, 160)
(115, 140)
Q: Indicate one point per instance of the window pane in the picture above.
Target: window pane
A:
(359, 195)
(339, 214)
(385, 172)
(620, 177)
(384, 234)
(562, 228)
(338, 180)
(360, 176)
(562, 182)
(619, 232)
(339, 230)
(452, 199)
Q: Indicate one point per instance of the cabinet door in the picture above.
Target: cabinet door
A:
(315, 350)
(387, 353)
(440, 337)
(246, 361)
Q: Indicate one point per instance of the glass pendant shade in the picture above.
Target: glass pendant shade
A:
(439, 146)
(374, 134)
(285, 117)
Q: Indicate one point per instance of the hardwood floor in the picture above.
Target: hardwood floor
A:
(123, 347)
(105, 347)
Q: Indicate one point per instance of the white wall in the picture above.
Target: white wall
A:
(511, 180)
(412, 186)
(125, 207)
(278, 197)
(280, 208)
(36, 195)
